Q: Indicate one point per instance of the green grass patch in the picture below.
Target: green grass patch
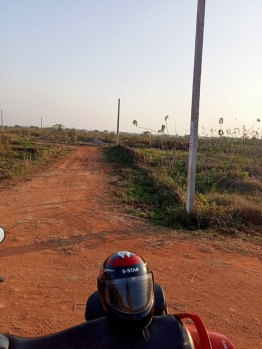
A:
(152, 184)
(19, 158)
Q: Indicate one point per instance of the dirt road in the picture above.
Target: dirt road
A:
(64, 222)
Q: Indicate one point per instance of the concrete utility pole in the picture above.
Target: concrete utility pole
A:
(2, 121)
(191, 179)
(118, 115)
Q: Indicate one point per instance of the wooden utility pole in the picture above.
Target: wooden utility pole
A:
(118, 115)
(191, 179)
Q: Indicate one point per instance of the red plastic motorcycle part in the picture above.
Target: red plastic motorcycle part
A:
(218, 340)
(204, 338)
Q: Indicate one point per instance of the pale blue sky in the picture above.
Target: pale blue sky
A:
(68, 61)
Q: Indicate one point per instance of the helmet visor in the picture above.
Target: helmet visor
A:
(130, 295)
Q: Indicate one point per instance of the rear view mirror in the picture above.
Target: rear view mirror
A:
(2, 234)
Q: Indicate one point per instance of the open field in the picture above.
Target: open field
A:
(152, 174)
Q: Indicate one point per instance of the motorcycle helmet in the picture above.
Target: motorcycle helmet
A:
(126, 288)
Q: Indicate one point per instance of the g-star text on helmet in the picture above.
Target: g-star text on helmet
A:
(130, 270)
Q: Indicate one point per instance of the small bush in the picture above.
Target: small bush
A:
(120, 155)
(223, 213)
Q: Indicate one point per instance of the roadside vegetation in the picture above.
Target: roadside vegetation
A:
(151, 179)
(152, 182)
(21, 153)
(150, 176)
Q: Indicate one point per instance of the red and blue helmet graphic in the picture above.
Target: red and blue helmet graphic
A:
(124, 264)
